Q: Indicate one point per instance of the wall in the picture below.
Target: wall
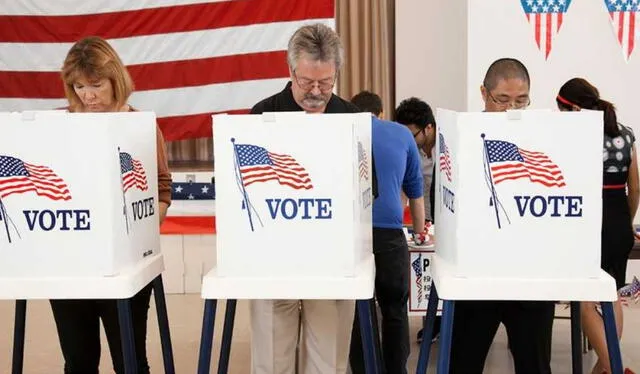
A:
(586, 46)
(431, 51)
(443, 49)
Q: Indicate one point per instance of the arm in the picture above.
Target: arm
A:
(404, 199)
(412, 185)
(416, 206)
(633, 188)
(163, 211)
(432, 194)
(164, 177)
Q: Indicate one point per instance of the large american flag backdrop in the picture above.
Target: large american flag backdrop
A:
(188, 58)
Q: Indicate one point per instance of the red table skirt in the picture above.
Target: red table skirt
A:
(188, 225)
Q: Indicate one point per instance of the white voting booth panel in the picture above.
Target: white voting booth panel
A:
(293, 194)
(78, 193)
(514, 197)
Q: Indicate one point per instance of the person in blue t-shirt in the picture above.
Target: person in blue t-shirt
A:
(418, 116)
(399, 170)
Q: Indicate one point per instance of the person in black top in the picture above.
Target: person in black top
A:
(528, 323)
(314, 56)
(620, 197)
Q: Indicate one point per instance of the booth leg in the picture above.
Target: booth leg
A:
(376, 332)
(126, 334)
(425, 346)
(576, 338)
(613, 345)
(366, 330)
(163, 325)
(446, 335)
(206, 340)
(227, 334)
(19, 328)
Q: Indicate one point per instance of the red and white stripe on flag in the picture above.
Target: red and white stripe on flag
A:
(623, 15)
(545, 27)
(545, 18)
(188, 58)
(624, 26)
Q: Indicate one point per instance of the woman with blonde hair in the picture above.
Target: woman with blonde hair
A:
(96, 80)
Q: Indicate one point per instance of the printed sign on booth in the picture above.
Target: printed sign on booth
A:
(293, 193)
(420, 281)
(519, 202)
(80, 199)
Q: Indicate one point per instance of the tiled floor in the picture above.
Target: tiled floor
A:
(42, 355)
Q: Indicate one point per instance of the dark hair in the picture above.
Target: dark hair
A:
(415, 111)
(579, 92)
(505, 68)
(368, 101)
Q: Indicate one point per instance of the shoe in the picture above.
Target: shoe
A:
(436, 334)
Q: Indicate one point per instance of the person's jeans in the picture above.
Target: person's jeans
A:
(392, 292)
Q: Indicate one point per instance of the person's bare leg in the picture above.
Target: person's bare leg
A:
(617, 311)
(593, 327)
(599, 341)
(598, 369)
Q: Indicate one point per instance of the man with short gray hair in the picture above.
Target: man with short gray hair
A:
(315, 56)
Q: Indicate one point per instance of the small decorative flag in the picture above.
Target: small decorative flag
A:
(545, 18)
(623, 15)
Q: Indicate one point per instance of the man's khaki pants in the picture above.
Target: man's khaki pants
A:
(324, 339)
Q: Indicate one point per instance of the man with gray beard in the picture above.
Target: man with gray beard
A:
(315, 56)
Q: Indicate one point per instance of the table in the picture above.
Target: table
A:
(214, 287)
(451, 288)
(121, 287)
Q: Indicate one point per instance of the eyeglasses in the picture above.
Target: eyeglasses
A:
(518, 103)
(418, 133)
(308, 84)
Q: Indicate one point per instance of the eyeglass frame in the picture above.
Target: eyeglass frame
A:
(513, 104)
(311, 85)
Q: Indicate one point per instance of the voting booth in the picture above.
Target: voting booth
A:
(78, 193)
(293, 194)
(518, 194)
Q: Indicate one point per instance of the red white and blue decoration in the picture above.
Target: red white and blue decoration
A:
(623, 15)
(545, 18)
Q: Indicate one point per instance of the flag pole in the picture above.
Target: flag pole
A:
(5, 218)
(245, 201)
(124, 199)
(492, 186)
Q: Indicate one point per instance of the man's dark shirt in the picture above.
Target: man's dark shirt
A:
(283, 101)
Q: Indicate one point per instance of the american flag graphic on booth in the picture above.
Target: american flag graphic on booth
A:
(363, 166)
(17, 176)
(417, 269)
(509, 162)
(133, 174)
(623, 15)
(257, 164)
(545, 18)
(445, 158)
